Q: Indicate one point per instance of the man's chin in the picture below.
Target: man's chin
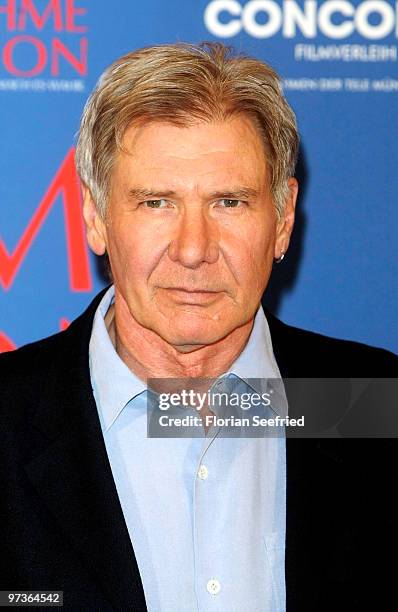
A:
(190, 337)
(188, 342)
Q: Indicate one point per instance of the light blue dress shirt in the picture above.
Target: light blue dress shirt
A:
(206, 515)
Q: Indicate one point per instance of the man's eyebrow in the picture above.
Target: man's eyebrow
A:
(235, 193)
(138, 193)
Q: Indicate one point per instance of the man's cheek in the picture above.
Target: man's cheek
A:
(255, 277)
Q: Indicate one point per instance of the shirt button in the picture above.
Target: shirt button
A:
(213, 587)
(203, 472)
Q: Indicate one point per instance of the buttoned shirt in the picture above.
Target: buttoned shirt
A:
(206, 515)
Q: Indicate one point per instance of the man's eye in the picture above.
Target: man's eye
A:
(228, 203)
(155, 203)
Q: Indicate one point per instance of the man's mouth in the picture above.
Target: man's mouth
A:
(193, 289)
(190, 295)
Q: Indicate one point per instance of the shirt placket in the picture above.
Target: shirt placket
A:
(207, 566)
(208, 573)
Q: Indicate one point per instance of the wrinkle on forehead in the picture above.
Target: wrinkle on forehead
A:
(201, 156)
(241, 127)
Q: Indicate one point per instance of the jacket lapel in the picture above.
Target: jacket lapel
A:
(72, 473)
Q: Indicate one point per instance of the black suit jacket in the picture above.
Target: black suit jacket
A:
(62, 527)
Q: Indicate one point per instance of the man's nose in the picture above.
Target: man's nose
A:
(195, 241)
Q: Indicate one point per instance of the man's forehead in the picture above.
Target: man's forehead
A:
(198, 137)
(226, 151)
(216, 184)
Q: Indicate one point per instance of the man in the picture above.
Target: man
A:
(187, 157)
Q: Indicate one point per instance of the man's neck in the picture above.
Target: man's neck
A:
(147, 355)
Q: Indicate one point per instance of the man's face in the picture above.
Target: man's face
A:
(191, 230)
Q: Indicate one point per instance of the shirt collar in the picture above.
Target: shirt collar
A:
(113, 382)
(256, 363)
(257, 360)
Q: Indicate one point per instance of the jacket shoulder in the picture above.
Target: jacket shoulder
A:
(28, 354)
(300, 352)
(26, 372)
(23, 376)
(31, 358)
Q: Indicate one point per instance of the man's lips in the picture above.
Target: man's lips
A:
(190, 290)
(185, 295)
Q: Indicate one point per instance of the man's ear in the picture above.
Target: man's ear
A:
(285, 224)
(95, 226)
